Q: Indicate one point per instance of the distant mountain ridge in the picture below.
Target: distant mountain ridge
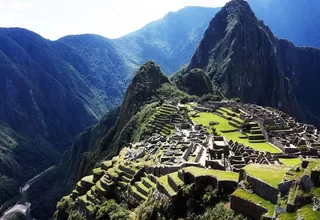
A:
(296, 20)
(244, 59)
(52, 90)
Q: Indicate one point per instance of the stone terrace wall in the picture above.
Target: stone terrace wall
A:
(200, 182)
(198, 156)
(227, 186)
(263, 189)
(247, 208)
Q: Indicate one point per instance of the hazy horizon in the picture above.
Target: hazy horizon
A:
(109, 18)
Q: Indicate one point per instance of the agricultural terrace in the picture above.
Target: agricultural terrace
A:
(230, 132)
(271, 174)
(290, 161)
(219, 174)
(255, 199)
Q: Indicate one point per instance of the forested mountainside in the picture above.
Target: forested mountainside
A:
(149, 86)
(244, 59)
(58, 88)
(295, 20)
(47, 98)
(237, 57)
(170, 41)
(52, 90)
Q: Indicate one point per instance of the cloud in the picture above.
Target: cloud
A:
(15, 4)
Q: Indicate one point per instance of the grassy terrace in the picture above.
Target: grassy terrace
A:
(287, 216)
(313, 164)
(316, 192)
(306, 212)
(220, 175)
(88, 179)
(176, 178)
(271, 174)
(256, 200)
(164, 182)
(290, 161)
(205, 118)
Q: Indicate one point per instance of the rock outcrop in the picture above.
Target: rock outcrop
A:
(194, 82)
(244, 59)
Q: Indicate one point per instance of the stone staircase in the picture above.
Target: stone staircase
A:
(141, 189)
(170, 184)
(160, 121)
(237, 162)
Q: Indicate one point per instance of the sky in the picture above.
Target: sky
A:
(53, 19)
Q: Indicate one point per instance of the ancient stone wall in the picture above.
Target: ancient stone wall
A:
(137, 176)
(227, 186)
(198, 156)
(214, 165)
(263, 189)
(187, 152)
(173, 184)
(248, 208)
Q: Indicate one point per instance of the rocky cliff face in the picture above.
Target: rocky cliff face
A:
(302, 66)
(242, 56)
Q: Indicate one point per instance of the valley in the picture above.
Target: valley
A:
(225, 127)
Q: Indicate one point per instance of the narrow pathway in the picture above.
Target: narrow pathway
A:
(23, 206)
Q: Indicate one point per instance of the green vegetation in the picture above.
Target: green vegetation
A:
(307, 213)
(290, 161)
(152, 208)
(159, 122)
(111, 210)
(88, 179)
(271, 174)
(164, 182)
(220, 212)
(141, 120)
(64, 206)
(287, 216)
(292, 195)
(210, 97)
(255, 199)
(205, 119)
(220, 175)
(316, 192)
(313, 163)
(194, 82)
(174, 176)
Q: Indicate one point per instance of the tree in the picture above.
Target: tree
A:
(220, 212)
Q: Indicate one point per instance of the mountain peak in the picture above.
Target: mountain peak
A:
(144, 85)
(239, 54)
(149, 75)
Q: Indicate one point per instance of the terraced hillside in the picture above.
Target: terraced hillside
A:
(136, 182)
(195, 153)
(279, 192)
(228, 124)
(161, 122)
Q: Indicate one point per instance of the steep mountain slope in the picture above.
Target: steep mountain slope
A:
(242, 56)
(302, 66)
(51, 91)
(102, 141)
(169, 41)
(296, 20)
